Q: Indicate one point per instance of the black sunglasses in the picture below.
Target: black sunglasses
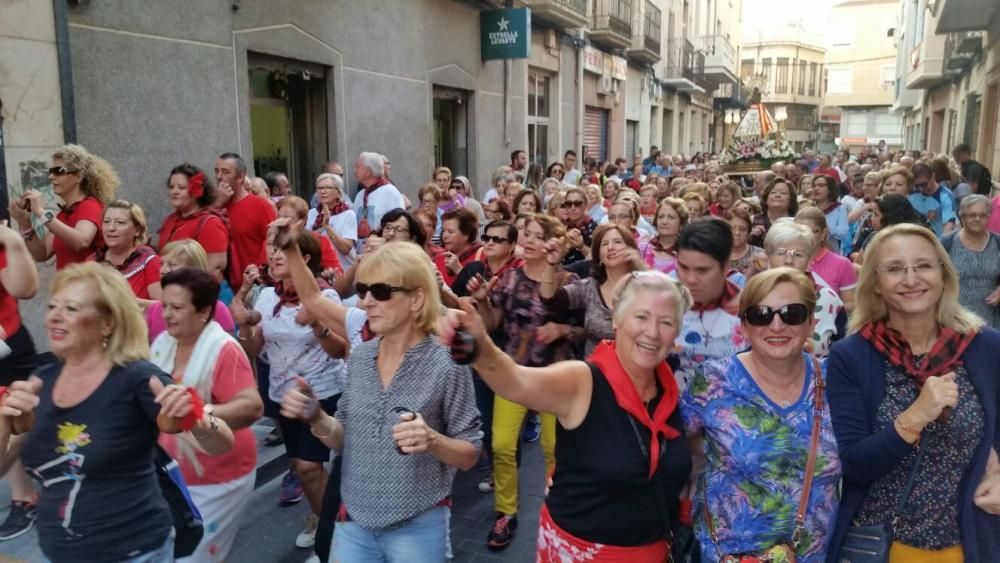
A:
(490, 238)
(572, 203)
(379, 291)
(793, 314)
(60, 171)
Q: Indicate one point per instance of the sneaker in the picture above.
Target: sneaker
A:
(274, 438)
(19, 520)
(291, 489)
(532, 429)
(502, 532)
(307, 537)
(487, 485)
(313, 559)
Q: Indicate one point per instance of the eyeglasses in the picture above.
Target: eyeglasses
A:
(498, 240)
(557, 171)
(793, 314)
(787, 253)
(975, 216)
(390, 229)
(379, 291)
(572, 203)
(61, 171)
(898, 271)
(324, 188)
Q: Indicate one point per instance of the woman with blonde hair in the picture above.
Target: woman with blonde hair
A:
(918, 370)
(595, 201)
(125, 236)
(660, 251)
(696, 205)
(897, 179)
(84, 182)
(179, 254)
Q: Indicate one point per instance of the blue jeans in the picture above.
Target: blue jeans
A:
(421, 540)
(162, 554)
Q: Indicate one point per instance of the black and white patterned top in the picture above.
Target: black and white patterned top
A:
(382, 488)
(930, 518)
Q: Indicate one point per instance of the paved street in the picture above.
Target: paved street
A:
(268, 534)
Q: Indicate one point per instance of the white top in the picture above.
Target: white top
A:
(711, 335)
(490, 196)
(572, 176)
(293, 350)
(381, 201)
(353, 323)
(345, 224)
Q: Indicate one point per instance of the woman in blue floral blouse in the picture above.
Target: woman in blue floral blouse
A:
(751, 418)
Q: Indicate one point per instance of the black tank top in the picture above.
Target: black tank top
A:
(601, 491)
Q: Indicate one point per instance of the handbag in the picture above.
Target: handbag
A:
(188, 525)
(870, 544)
(783, 552)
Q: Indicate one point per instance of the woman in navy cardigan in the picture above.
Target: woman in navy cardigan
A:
(920, 371)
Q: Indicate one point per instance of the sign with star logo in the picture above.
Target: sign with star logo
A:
(505, 34)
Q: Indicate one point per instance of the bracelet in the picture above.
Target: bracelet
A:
(253, 332)
(213, 427)
(907, 429)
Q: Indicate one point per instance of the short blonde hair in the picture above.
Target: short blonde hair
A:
(97, 178)
(298, 205)
(653, 280)
(191, 252)
(429, 188)
(813, 216)
(405, 264)
(763, 283)
(114, 300)
(900, 170)
(552, 227)
(136, 215)
(650, 188)
(441, 170)
(784, 231)
(677, 204)
(870, 307)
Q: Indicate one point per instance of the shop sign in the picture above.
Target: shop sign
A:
(619, 68)
(593, 60)
(505, 34)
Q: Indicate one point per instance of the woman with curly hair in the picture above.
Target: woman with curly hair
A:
(85, 183)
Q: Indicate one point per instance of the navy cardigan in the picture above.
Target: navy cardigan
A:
(855, 389)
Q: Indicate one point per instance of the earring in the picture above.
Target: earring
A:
(104, 343)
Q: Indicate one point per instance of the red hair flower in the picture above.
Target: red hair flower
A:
(196, 185)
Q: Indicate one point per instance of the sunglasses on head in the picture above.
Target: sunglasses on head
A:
(60, 171)
(571, 203)
(491, 238)
(793, 314)
(379, 291)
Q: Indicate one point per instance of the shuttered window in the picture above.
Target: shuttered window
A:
(595, 132)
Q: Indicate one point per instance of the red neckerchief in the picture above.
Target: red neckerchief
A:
(288, 296)
(322, 218)
(133, 263)
(944, 356)
(378, 184)
(658, 246)
(583, 222)
(729, 292)
(830, 206)
(627, 397)
(510, 264)
(366, 332)
(466, 255)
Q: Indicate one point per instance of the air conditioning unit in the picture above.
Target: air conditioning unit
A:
(606, 85)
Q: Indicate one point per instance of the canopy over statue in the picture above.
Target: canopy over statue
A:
(756, 143)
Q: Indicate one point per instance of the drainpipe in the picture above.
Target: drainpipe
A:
(65, 71)
(579, 43)
(4, 196)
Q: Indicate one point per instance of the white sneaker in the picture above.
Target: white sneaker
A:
(307, 537)
(313, 559)
(487, 485)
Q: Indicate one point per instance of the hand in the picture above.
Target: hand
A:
(467, 319)
(994, 298)
(732, 307)
(300, 402)
(251, 275)
(550, 332)
(757, 231)
(574, 239)
(241, 314)
(330, 274)
(33, 200)
(555, 250)
(21, 397)
(174, 400)
(987, 496)
(225, 193)
(372, 244)
(937, 394)
(479, 289)
(285, 231)
(634, 260)
(304, 317)
(18, 212)
(412, 435)
(451, 262)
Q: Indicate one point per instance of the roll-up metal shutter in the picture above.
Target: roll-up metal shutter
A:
(595, 132)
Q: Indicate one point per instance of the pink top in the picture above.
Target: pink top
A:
(232, 374)
(154, 319)
(835, 270)
(994, 223)
(659, 261)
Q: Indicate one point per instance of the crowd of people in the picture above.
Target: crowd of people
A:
(792, 366)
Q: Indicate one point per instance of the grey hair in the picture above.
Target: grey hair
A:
(784, 231)
(973, 199)
(337, 180)
(628, 286)
(506, 178)
(374, 162)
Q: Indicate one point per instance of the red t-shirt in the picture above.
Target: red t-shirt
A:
(87, 209)
(10, 318)
(248, 221)
(213, 236)
(141, 269)
(231, 375)
(329, 259)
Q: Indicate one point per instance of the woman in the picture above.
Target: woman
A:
(862, 215)
(95, 429)
(838, 272)
(647, 202)
(776, 201)
(463, 187)
(84, 182)
(759, 421)
(334, 219)
(728, 195)
(793, 245)
(430, 198)
(124, 230)
(192, 195)
(917, 355)
(805, 187)
(696, 204)
(745, 257)
(296, 210)
(579, 226)
(617, 256)
(427, 220)
(891, 209)
(550, 187)
(824, 195)
(510, 192)
(405, 394)
(512, 303)
(297, 346)
(898, 180)
(610, 190)
(596, 209)
(176, 255)
(527, 201)
(498, 210)
(622, 462)
(975, 254)
(660, 252)
(555, 170)
(201, 356)
(458, 235)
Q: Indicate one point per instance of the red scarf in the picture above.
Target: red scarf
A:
(322, 218)
(510, 264)
(945, 355)
(830, 207)
(378, 184)
(658, 246)
(288, 296)
(466, 255)
(729, 292)
(627, 397)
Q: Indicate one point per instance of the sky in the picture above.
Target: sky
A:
(763, 16)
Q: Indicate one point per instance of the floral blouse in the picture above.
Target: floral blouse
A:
(519, 301)
(755, 453)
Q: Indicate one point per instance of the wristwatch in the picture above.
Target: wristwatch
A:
(47, 217)
(326, 332)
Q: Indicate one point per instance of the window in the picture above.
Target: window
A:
(746, 69)
(888, 77)
(538, 117)
(839, 80)
(765, 67)
(888, 125)
(781, 84)
(855, 124)
(813, 68)
(802, 78)
(538, 95)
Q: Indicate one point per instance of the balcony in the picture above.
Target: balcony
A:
(685, 66)
(965, 15)
(612, 27)
(926, 64)
(731, 95)
(960, 52)
(720, 60)
(646, 45)
(568, 14)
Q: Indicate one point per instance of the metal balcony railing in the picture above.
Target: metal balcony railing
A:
(960, 51)
(684, 61)
(651, 27)
(613, 15)
(718, 51)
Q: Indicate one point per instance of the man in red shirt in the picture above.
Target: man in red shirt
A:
(248, 217)
(826, 169)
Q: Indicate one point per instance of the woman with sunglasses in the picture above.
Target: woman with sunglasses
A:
(622, 459)
(84, 182)
(556, 170)
(579, 226)
(406, 420)
(914, 395)
(757, 419)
